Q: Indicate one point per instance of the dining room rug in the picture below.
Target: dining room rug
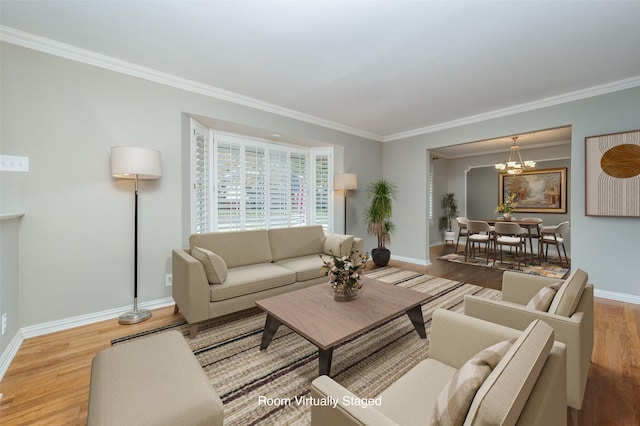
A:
(269, 387)
(551, 268)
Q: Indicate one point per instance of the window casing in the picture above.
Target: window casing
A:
(246, 183)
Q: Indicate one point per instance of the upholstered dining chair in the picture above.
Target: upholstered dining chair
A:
(478, 232)
(534, 236)
(553, 235)
(512, 235)
(462, 229)
(566, 305)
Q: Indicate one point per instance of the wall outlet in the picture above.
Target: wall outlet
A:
(168, 280)
(11, 163)
(4, 323)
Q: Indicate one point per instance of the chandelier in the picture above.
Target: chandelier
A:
(515, 165)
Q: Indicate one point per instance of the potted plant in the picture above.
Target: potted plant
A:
(378, 218)
(450, 208)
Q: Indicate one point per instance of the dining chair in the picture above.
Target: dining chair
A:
(478, 232)
(511, 235)
(462, 229)
(553, 235)
(533, 237)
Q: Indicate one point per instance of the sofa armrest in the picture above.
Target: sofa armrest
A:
(454, 338)
(190, 287)
(520, 288)
(326, 389)
(547, 403)
(357, 247)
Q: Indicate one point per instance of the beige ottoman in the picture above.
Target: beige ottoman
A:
(151, 381)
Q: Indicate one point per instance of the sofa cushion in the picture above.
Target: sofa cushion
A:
(214, 267)
(251, 279)
(338, 245)
(305, 267)
(455, 398)
(237, 248)
(410, 399)
(543, 298)
(504, 393)
(566, 300)
(286, 243)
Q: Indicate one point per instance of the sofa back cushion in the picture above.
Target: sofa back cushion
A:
(236, 248)
(566, 299)
(504, 393)
(287, 243)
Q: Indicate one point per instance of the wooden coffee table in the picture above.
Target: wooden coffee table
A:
(312, 313)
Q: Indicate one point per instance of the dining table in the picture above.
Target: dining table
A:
(529, 225)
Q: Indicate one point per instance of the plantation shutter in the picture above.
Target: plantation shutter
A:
(255, 194)
(279, 188)
(200, 178)
(299, 191)
(229, 193)
(322, 174)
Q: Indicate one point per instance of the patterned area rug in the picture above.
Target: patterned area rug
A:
(552, 268)
(264, 387)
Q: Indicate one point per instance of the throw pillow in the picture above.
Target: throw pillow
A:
(455, 398)
(338, 245)
(214, 266)
(543, 298)
(566, 300)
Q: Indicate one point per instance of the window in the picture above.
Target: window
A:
(255, 184)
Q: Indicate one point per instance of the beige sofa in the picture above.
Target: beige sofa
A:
(526, 386)
(225, 272)
(570, 313)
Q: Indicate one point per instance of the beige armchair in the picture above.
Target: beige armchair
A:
(527, 385)
(574, 327)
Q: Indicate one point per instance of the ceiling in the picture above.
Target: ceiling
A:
(381, 69)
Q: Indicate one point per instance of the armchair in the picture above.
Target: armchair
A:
(573, 325)
(527, 386)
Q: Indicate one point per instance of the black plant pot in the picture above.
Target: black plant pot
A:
(381, 256)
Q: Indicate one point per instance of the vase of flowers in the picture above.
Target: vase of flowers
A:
(507, 207)
(344, 275)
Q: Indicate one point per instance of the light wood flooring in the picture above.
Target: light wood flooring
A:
(48, 380)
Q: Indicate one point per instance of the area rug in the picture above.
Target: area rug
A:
(269, 387)
(552, 268)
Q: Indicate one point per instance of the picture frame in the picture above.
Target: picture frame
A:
(612, 174)
(537, 191)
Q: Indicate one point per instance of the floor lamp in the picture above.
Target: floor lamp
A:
(345, 182)
(128, 162)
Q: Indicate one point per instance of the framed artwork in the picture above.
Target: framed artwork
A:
(612, 180)
(537, 191)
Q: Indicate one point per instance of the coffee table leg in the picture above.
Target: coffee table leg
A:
(324, 360)
(270, 327)
(415, 315)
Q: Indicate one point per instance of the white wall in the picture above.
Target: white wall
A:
(76, 238)
(597, 248)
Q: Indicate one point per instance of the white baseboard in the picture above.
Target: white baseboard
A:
(38, 330)
(64, 324)
(9, 353)
(620, 297)
(422, 262)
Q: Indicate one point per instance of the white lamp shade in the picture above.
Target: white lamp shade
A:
(346, 182)
(129, 161)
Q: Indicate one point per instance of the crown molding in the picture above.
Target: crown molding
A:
(516, 109)
(52, 47)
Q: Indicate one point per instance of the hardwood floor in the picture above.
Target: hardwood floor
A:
(48, 380)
